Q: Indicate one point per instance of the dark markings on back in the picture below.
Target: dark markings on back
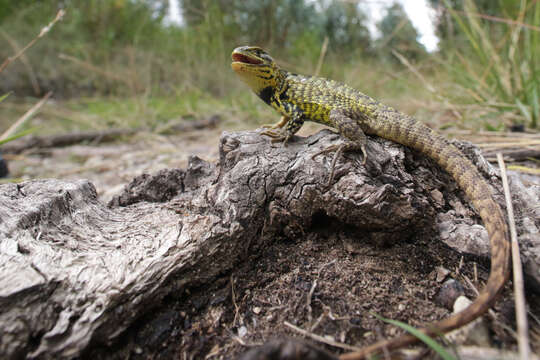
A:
(283, 96)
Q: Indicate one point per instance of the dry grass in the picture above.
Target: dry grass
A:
(44, 31)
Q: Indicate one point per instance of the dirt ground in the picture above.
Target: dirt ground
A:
(328, 282)
(110, 166)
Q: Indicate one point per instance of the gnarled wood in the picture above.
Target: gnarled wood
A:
(74, 270)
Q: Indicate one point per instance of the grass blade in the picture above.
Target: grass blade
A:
(18, 135)
(3, 97)
(435, 346)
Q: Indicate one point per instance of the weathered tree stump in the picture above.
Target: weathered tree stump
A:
(74, 270)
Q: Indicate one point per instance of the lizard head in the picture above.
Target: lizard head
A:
(256, 68)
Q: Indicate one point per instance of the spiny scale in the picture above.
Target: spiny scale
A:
(317, 96)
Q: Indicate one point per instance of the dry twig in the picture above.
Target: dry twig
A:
(521, 310)
(509, 144)
(42, 33)
(324, 47)
(27, 115)
(321, 338)
(24, 60)
(233, 296)
(29, 142)
(426, 83)
(308, 305)
(88, 66)
(524, 169)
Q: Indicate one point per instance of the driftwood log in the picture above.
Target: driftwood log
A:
(76, 271)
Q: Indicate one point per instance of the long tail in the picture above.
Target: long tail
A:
(412, 133)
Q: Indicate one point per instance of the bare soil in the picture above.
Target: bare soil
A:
(327, 282)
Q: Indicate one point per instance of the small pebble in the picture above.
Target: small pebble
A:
(450, 290)
(438, 197)
(442, 273)
(242, 331)
(475, 333)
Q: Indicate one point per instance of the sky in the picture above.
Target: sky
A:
(419, 12)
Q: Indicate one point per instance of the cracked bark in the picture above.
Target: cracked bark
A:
(74, 270)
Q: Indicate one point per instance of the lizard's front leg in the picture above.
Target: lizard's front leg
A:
(350, 129)
(294, 122)
(281, 123)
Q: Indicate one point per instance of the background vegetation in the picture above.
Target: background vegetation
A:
(119, 63)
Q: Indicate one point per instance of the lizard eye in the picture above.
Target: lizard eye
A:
(265, 57)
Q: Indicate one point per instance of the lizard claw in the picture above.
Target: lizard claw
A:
(277, 136)
(326, 150)
(364, 153)
(272, 134)
(271, 126)
(339, 149)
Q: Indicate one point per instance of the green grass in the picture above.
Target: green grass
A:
(429, 341)
(114, 64)
(238, 107)
(149, 75)
(239, 110)
(500, 70)
(18, 135)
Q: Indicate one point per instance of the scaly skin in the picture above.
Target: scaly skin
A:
(353, 114)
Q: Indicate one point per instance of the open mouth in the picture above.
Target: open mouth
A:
(245, 59)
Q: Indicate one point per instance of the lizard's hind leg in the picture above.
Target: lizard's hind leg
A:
(355, 139)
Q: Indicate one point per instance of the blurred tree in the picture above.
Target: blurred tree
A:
(398, 33)
(109, 21)
(131, 33)
(344, 25)
(448, 30)
(297, 25)
(120, 21)
(262, 22)
(8, 7)
(96, 31)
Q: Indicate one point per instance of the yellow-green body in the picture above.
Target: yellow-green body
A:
(317, 96)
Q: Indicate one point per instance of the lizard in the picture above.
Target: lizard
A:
(300, 98)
